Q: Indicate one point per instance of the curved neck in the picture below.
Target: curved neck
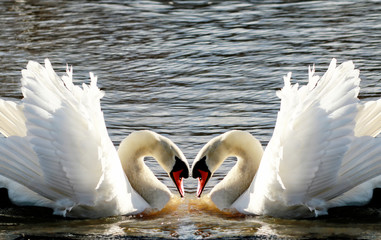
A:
(248, 152)
(132, 151)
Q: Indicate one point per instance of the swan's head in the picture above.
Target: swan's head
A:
(167, 154)
(173, 161)
(208, 160)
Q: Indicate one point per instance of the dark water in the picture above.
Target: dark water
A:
(190, 70)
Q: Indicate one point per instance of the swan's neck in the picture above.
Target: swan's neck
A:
(132, 151)
(248, 152)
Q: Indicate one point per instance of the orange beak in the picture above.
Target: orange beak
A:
(202, 181)
(178, 181)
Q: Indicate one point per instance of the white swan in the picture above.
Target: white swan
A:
(322, 153)
(57, 152)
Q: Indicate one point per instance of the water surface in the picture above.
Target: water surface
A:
(190, 70)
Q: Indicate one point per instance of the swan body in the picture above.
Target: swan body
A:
(56, 152)
(323, 153)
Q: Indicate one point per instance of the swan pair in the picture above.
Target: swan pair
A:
(57, 152)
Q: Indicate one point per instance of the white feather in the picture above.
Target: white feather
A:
(368, 119)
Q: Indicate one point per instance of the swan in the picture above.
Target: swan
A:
(57, 153)
(323, 152)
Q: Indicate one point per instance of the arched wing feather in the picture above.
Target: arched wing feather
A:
(66, 130)
(313, 132)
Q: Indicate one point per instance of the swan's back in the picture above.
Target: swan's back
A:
(12, 119)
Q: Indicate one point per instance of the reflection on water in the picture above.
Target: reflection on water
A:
(190, 70)
(190, 218)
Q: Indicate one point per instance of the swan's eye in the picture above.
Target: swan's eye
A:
(180, 165)
(200, 165)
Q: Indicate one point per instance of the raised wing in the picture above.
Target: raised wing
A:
(69, 157)
(313, 132)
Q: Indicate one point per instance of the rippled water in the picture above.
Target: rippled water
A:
(190, 70)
